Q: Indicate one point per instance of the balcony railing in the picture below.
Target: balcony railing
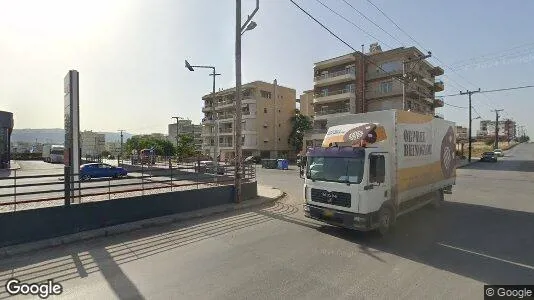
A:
(333, 93)
(335, 74)
(226, 145)
(331, 111)
(225, 130)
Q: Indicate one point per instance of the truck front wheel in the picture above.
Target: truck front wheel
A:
(386, 219)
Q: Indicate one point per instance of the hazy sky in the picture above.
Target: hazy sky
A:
(130, 53)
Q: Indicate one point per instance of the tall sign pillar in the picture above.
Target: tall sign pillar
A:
(72, 153)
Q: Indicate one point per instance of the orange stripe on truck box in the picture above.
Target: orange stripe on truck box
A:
(415, 177)
(407, 117)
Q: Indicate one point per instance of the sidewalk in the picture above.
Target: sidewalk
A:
(13, 165)
(266, 194)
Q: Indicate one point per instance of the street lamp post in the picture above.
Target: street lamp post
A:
(239, 30)
(214, 74)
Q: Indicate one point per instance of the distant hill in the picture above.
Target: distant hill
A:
(55, 136)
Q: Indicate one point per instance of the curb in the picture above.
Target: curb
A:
(10, 251)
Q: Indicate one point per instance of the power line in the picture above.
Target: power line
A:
(363, 15)
(353, 24)
(492, 91)
(509, 89)
(419, 44)
(456, 106)
(347, 44)
(322, 25)
(398, 27)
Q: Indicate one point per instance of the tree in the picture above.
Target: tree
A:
(139, 142)
(299, 124)
(186, 146)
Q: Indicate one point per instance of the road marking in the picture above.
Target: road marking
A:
(488, 256)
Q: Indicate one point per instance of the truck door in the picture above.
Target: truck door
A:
(378, 185)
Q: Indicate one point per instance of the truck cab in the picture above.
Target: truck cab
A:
(348, 186)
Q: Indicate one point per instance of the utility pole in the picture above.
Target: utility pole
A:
(496, 146)
(470, 118)
(275, 121)
(405, 77)
(120, 153)
(239, 30)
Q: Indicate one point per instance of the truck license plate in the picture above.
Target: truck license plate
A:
(328, 213)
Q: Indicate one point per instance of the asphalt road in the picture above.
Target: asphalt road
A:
(482, 234)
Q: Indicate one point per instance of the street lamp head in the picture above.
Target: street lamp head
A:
(187, 65)
(251, 25)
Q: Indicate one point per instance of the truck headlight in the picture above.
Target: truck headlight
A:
(359, 219)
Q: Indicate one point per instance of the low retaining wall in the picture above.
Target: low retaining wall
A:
(43, 223)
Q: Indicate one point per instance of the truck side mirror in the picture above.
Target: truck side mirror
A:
(301, 173)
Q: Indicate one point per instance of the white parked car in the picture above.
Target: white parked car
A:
(498, 152)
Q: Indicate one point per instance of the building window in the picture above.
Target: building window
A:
(279, 125)
(385, 87)
(265, 94)
(265, 110)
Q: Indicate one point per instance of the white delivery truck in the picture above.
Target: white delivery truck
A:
(46, 153)
(376, 166)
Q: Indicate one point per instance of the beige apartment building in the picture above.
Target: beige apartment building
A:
(92, 143)
(267, 109)
(306, 103)
(363, 82)
(185, 127)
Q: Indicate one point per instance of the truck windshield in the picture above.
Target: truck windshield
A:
(335, 169)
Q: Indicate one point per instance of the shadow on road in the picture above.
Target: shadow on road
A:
(487, 244)
(105, 255)
(491, 245)
(503, 165)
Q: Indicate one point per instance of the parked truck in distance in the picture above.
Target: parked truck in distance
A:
(53, 153)
(374, 167)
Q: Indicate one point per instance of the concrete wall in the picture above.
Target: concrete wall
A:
(43, 223)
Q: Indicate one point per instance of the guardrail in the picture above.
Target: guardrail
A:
(39, 191)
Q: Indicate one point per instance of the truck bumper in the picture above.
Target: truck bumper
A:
(361, 222)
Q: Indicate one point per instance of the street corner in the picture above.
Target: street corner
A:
(13, 165)
(269, 192)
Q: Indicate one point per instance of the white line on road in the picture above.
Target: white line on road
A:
(488, 256)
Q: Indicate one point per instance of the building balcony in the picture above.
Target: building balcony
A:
(207, 108)
(326, 113)
(438, 103)
(437, 71)
(335, 61)
(335, 77)
(375, 73)
(226, 118)
(224, 105)
(208, 121)
(226, 131)
(334, 96)
(226, 145)
(428, 82)
(438, 86)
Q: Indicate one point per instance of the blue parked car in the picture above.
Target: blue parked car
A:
(99, 170)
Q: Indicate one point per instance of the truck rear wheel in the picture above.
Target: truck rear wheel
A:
(386, 220)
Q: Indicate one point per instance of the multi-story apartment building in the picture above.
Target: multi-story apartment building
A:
(461, 133)
(266, 120)
(362, 82)
(506, 128)
(186, 127)
(92, 143)
(306, 103)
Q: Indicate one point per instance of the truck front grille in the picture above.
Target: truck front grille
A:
(333, 198)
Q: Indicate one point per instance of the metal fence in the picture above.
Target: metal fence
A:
(21, 192)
